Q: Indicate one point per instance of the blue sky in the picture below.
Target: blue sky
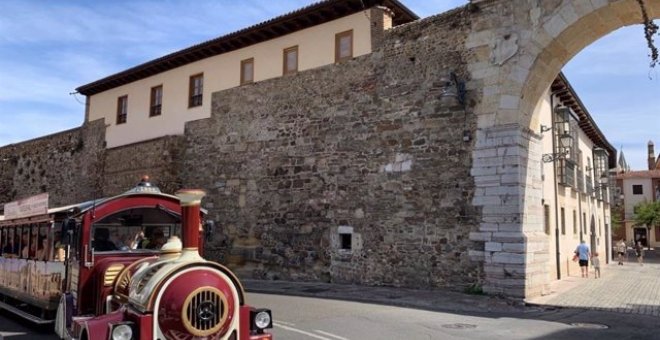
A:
(48, 48)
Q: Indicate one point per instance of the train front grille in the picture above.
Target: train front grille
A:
(204, 311)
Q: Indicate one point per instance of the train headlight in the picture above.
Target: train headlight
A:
(122, 332)
(261, 319)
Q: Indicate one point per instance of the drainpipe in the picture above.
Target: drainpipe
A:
(554, 181)
(582, 221)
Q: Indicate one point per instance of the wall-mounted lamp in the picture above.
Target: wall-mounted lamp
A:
(602, 184)
(453, 92)
(561, 127)
(563, 149)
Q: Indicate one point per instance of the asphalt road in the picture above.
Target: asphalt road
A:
(298, 318)
(12, 328)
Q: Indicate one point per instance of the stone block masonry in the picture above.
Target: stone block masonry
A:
(159, 158)
(367, 146)
(67, 165)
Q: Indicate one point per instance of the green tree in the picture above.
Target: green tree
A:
(648, 214)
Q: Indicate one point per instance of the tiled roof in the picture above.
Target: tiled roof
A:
(563, 89)
(639, 174)
(299, 19)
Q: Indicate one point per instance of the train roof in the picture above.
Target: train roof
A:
(143, 188)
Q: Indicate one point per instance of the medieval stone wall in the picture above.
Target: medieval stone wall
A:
(158, 158)
(368, 148)
(74, 166)
(67, 165)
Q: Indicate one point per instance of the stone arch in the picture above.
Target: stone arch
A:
(565, 36)
(516, 50)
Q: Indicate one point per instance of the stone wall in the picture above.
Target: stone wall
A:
(158, 158)
(67, 165)
(368, 148)
(74, 166)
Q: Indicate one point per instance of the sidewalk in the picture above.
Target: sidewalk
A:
(432, 299)
(630, 288)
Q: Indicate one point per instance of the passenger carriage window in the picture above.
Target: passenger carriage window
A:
(25, 242)
(10, 247)
(43, 244)
(3, 239)
(142, 229)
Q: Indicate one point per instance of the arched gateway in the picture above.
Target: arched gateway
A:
(363, 170)
(517, 48)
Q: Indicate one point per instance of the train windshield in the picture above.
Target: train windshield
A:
(143, 229)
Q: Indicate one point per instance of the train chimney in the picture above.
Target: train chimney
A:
(651, 158)
(190, 202)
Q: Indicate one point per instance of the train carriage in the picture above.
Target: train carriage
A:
(124, 267)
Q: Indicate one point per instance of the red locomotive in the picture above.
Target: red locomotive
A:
(124, 267)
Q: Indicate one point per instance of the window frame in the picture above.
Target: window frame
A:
(563, 220)
(338, 37)
(243, 63)
(156, 109)
(285, 60)
(122, 110)
(546, 219)
(195, 99)
(638, 186)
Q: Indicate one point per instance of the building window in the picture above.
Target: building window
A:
(290, 60)
(247, 71)
(584, 223)
(637, 189)
(563, 222)
(196, 90)
(343, 46)
(575, 222)
(156, 101)
(122, 109)
(345, 238)
(546, 218)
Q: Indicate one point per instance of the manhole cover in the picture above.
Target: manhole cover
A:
(589, 325)
(459, 326)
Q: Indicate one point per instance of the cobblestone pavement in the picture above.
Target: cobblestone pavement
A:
(630, 288)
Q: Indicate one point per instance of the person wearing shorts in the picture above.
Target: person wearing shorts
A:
(621, 251)
(582, 251)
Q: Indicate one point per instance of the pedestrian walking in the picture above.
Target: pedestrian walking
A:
(621, 251)
(595, 262)
(582, 251)
(639, 252)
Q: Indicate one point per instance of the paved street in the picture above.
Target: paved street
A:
(304, 318)
(12, 328)
(625, 302)
(630, 288)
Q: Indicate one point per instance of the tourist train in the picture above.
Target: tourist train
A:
(124, 267)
